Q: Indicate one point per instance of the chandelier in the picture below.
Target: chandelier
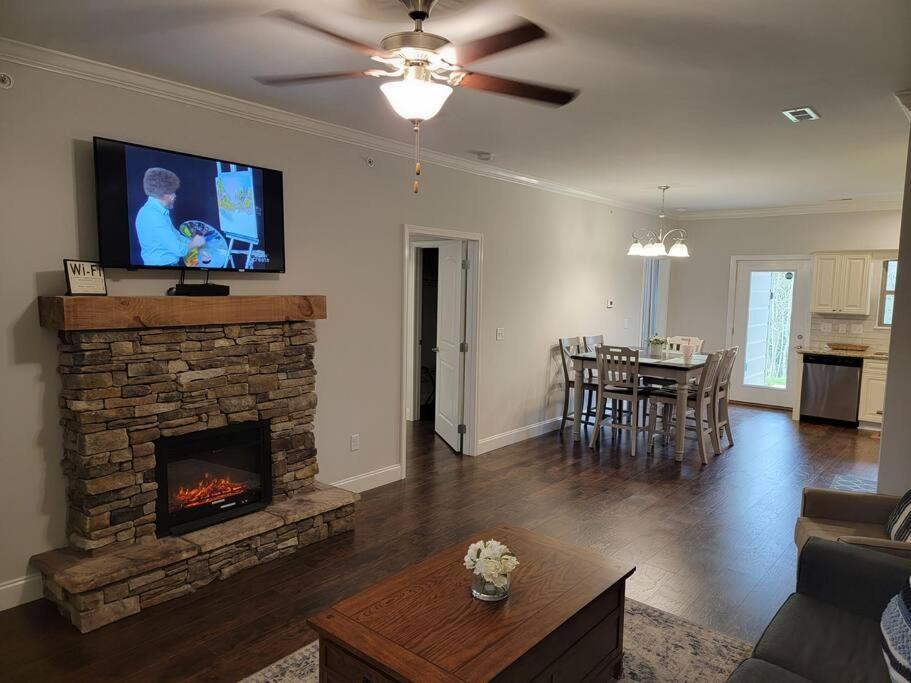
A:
(651, 243)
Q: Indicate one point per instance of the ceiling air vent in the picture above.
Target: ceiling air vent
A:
(800, 114)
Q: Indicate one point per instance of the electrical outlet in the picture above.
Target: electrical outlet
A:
(626, 323)
(610, 303)
(355, 442)
(842, 328)
(501, 333)
(857, 328)
(826, 327)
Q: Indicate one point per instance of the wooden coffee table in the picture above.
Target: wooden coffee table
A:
(563, 620)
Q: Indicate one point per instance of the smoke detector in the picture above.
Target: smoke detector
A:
(800, 114)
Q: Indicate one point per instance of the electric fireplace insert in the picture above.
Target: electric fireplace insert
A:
(211, 476)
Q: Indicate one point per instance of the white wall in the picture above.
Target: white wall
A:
(895, 450)
(699, 285)
(550, 263)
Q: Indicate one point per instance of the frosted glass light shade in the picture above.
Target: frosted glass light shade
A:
(636, 249)
(679, 250)
(655, 249)
(415, 99)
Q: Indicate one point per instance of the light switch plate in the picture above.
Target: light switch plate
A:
(501, 333)
(355, 442)
(842, 328)
(826, 327)
(857, 328)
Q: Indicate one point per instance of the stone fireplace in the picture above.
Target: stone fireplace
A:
(188, 446)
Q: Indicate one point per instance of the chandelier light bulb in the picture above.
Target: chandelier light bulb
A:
(636, 249)
(679, 250)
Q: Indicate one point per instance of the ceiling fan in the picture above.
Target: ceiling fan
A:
(426, 68)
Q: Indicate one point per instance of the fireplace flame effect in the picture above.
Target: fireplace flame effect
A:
(208, 490)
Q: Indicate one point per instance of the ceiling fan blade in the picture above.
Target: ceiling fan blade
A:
(298, 20)
(524, 32)
(300, 79)
(507, 86)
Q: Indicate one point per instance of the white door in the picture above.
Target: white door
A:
(771, 322)
(450, 335)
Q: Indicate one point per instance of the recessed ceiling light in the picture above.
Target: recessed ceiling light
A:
(481, 155)
(800, 114)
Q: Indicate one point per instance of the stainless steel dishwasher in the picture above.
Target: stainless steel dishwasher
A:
(831, 388)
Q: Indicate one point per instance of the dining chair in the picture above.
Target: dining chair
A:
(676, 343)
(699, 401)
(618, 381)
(591, 341)
(568, 347)
(720, 399)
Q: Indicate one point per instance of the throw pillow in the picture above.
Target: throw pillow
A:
(898, 528)
(895, 627)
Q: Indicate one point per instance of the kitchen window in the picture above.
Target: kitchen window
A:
(887, 293)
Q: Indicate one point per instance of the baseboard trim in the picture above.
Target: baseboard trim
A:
(492, 443)
(20, 591)
(370, 480)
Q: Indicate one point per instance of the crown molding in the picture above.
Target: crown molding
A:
(43, 58)
(904, 99)
(858, 206)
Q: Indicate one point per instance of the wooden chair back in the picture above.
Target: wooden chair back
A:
(618, 366)
(727, 367)
(708, 381)
(593, 341)
(569, 346)
(676, 343)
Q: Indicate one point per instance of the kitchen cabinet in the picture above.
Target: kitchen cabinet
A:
(872, 392)
(841, 283)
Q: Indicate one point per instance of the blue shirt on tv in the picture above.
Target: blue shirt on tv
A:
(161, 244)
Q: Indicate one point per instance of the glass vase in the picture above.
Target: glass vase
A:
(486, 591)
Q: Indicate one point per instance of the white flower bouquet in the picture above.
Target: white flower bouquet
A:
(491, 563)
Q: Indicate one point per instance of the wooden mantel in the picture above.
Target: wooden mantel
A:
(131, 312)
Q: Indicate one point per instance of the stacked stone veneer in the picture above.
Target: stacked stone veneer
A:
(124, 389)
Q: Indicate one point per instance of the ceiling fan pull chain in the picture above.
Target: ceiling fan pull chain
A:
(417, 156)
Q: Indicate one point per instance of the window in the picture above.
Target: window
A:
(887, 293)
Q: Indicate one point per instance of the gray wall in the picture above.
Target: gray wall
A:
(550, 263)
(895, 451)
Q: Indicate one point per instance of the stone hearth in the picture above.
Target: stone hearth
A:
(125, 388)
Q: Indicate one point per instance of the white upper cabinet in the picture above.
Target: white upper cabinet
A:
(841, 283)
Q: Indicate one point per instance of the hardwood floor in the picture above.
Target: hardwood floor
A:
(713, 544)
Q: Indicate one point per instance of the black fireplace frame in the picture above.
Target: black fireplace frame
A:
(169, 448)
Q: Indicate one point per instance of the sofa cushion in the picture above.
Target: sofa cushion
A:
(898, 527)
(816, 640)
(833, 529)
(758, 671)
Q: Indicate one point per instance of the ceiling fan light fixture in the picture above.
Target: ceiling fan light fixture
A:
(416, 99)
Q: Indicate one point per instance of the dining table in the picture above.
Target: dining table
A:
(651, 365)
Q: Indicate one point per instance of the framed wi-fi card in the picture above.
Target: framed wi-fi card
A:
(84, 278)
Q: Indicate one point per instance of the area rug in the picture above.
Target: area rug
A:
(851, 482)
(658, 647)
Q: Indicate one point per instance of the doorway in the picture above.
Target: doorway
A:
(442, 284)
(770, 323)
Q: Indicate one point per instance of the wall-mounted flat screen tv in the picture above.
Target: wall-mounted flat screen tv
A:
(163, 209)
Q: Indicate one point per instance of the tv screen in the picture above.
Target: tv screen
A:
(163, 209)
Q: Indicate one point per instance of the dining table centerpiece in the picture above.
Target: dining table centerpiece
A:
(656, 345)
(491, 564)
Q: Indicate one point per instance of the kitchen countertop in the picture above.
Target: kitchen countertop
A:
(872, 355)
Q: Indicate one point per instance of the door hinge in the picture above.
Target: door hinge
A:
(462, 429)
(465, 264)
(463, 347)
